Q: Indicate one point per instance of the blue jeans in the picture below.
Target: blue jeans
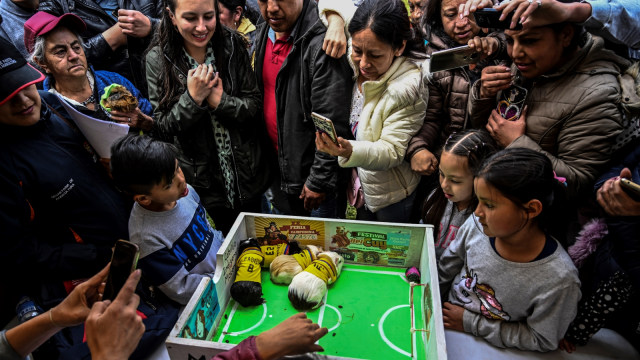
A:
(399, 212)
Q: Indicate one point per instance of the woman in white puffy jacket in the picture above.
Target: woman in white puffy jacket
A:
(387, 109)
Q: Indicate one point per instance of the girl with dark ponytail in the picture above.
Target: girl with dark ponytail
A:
(506, 278)
(449, 205)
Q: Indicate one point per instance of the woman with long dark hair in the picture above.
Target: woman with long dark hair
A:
(207, 103)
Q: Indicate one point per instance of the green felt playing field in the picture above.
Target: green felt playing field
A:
(367, 313)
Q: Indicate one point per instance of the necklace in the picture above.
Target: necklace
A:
(90, 100)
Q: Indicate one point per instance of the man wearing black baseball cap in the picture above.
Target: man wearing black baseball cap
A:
(59, 213)
(17, 77)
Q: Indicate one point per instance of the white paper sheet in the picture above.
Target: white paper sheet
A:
(100, 134)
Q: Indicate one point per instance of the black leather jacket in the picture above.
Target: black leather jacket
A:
(308, 81)
(189, 127)
(127, 60)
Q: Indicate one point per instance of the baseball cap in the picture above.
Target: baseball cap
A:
(42, 22)
(15, 73)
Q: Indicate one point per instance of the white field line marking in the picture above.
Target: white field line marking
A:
(412, 320)
(339, 317)
(321, 315)
(384, 337)
(226, 326)
(374, 272)
(264, 316)
(414, 347)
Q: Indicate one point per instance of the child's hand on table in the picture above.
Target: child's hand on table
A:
(452, 316)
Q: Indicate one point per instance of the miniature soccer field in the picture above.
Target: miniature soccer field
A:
(367, 312)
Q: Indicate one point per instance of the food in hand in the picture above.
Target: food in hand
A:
(118, 98)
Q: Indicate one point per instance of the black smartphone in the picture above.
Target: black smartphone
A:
(632, 189)
(490, 18)
(452, 58)
(123, 263)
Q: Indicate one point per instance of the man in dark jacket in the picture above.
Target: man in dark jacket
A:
(13, 14)
(59, 213)
(118, 33)
(297, 78)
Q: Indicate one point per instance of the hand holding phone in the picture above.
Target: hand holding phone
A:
(325, 125)
(453, 58)
(123, 263)
(632, 189)
(490, 18)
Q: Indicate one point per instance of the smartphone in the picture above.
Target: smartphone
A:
(490, 18)
(453, 58)
(123, 263)
(325, 125)
(632, 189)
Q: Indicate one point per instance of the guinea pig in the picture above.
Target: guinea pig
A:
(284, 267)
(247, 287)
(309, 287)
(270, 252)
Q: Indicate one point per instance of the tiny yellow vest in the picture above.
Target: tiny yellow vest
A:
(271, 251)
(248, 264)
(305, 258)
(323, 268)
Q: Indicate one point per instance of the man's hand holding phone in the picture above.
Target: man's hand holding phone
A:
(614, 200)
(73, 310)
(114, 328)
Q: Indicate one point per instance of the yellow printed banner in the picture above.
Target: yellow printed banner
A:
(273, 231)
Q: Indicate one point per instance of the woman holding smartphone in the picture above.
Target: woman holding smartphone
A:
(207, 103)
(444, 28)
(387, 109)
(570, 110)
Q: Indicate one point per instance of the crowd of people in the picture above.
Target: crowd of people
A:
(518, 160)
